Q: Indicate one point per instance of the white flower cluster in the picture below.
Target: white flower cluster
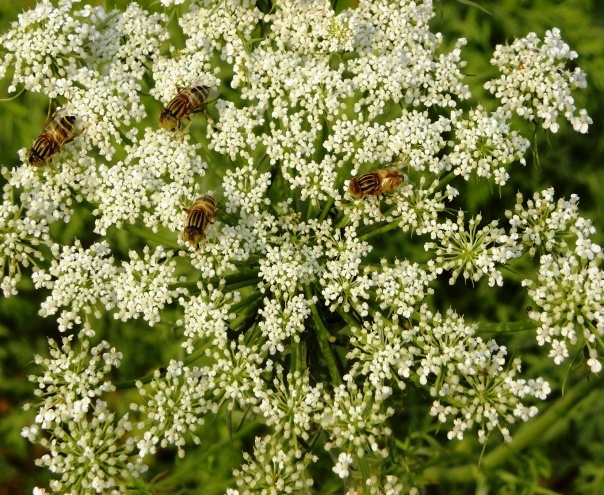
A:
(283, 319)
(286, 67)
(72, 380)
(91, 455)
(87, 447)
(384, 352)
(245, 190)
(274, 468)
(152, 184)
(174, 406)
(471, 384)
(291, 407)
(569, 304)
(341, 278)
(470, 252)
(92, 58)
(356, 420)
(401, 287)
(51, 194)
(86, 281)
(307, 100)
(291, 259)
(236, 373)
(47, 44)
(535, 82)
(225, 249)
(484, 144)
(207, 316)
(471, 378)
(145, 284)
(21, 241)
(418, 206)
(545, 224)
(81, 281)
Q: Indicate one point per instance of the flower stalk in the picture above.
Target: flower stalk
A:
(324, 338)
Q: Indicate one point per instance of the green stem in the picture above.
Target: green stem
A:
(446, 179)
(244, 309)
(527, 435)
(507, 326)
(243, 303)
(14, 97)
(380, 230)
(295, 356)
(150, 236)
(347, 317)
(240, 275)
(323, 337)
(325, 210)
(243, 283)
(512, 274)
(309, 210)
(343, 222)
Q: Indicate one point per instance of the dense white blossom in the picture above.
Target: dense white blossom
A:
(236, 373)
(290, 407)
(545, 225)
(484, 145)
(207, 315)
(535, 82)
(400, 287)
(86, 281)
(569, 302)
(283, 320)
(87, 447)
(174, 406)
(356, 420)
(145, 284)
(92, 58)
(384, 352)
(418, 206)
(52, 193)
(72, 380)
(302, 311)
(273, 468)
(21, 240)
(81, 281)
(153, 184)
(473, 385)
(470, 252)
(92, 455)
(342, 278)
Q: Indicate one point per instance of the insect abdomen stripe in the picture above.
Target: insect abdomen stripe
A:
(368, 182)
(178, 107)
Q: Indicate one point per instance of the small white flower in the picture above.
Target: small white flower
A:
(341, 467)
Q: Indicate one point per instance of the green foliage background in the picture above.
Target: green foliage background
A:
(568, 459)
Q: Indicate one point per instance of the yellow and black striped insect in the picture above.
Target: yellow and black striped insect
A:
(200, 215)
(58, 132)
(186, 102)
(374, 183)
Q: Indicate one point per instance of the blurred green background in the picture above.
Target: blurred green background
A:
(568, 460)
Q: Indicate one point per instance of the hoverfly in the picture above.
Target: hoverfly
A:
(374, 183)
(57, 133)
(200, 215)
(186, 102)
